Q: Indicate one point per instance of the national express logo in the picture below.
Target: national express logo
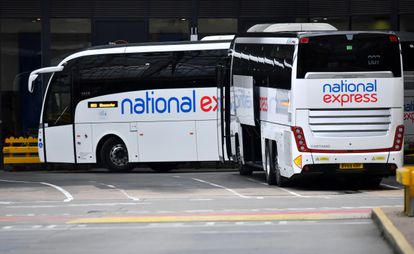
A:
(153, 104)
(345, 92)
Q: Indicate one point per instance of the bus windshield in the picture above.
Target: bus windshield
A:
(349, 53)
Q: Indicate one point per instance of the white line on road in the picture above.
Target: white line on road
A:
(122, 191)
(222, 187)
(288, 191)
(68, 196)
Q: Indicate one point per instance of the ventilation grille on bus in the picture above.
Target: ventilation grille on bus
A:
(349, 123)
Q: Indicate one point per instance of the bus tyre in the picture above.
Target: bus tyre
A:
(270, 171)
(280, 180)
(114, 155)
(243, 169)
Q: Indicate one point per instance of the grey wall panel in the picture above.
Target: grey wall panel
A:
(120, 8)
(271, 8)
(406, 6)
(20, 8)
(359, 7)
(73, 8)
(223, 8)
(328, 8)
(170, 9)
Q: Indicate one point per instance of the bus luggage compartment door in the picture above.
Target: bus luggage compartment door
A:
(167, 141)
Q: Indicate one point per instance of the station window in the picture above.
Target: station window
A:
(407, 23)
(169, 29)
(341, 23)
(68, 36)
(370, 23)
(216, 26)
(20, 53)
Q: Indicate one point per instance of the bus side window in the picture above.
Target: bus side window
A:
(280, 74)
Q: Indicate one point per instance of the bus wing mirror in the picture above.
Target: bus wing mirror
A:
(34, 74)
(32, 78)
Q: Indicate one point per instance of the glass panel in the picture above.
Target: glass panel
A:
(20, 54)
(68, 36)
(407, 23)
(58, 106)
(340, 53)
(169, 29)
(371, 23)
(216, 26)
(341, 23)
(407, 48)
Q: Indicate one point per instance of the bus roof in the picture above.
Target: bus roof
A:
(300, 34)
(291, 27)
(149, 47)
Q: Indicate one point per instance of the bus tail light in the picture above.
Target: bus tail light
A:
(398, 139)
(304, 40)
(393, 38)
(300, 139)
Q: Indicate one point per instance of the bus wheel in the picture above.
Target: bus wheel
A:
(274, 166)
(270, 171)
(114, 155)
(243, 169)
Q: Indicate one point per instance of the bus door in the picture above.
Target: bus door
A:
(57, 116)
(224, 138)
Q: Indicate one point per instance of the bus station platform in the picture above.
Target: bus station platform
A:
(396, 227)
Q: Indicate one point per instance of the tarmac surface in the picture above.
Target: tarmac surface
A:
(397, 228)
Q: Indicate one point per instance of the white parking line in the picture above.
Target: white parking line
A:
(222, 187)
(122, 191)
(68, 196)
(288, 191)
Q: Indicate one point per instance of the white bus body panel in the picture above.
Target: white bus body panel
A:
(60, 144)
(243, 99)
(167, 141)
(409, 110)
(155, 125)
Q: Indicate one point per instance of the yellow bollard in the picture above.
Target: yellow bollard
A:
(405, 176)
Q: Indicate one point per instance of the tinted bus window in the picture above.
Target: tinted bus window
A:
(349, 53)
(407, 49)
(108, 74)
(269, 64)
(279, 59)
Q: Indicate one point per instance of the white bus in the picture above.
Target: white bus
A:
(126, 104)
(316, 102)
(407, 49)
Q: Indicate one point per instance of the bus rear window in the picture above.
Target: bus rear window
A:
(408, 55)
(349, 53)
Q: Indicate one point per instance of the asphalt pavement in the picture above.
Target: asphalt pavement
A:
(188, 211)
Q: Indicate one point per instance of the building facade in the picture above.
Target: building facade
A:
(38, 33)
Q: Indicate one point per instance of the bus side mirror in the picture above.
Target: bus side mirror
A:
(34, 74)
(32, 78)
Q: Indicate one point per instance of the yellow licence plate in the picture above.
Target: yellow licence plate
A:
(351, 166)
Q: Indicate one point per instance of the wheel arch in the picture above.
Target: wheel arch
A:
(101, 141)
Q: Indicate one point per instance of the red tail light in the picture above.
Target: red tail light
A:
(300, 139)
(304, 40)
(398, 139)
(393, 38)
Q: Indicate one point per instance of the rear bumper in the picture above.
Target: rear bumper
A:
(371, 169)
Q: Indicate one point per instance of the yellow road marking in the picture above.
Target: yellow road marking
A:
(397, 236)
(196, 218)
